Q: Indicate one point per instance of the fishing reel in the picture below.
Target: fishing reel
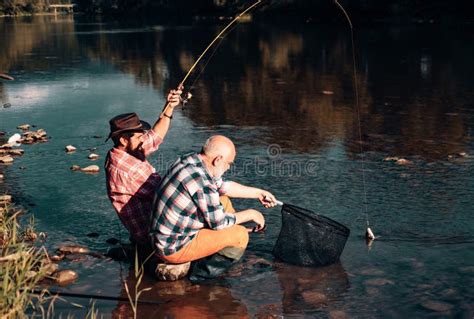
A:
(185, 99)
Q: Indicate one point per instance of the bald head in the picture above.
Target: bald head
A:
(218, 145)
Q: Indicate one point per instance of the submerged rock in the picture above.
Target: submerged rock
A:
(314, 297)
(379, 282)
(7, 105)
(70, 148)
(65, 277)
(75, 168)
(438, 306)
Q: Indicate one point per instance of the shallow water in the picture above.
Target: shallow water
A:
(263, 88)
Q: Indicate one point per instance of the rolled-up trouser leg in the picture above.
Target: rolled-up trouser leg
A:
(208, 242)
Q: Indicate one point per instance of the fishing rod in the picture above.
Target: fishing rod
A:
(98, 297)
(218, 37)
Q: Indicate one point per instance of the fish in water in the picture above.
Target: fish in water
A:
(369, 234)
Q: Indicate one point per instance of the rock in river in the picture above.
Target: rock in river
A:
(6, 159)
(23, 127)
(70, 148)
(65, 277)
(91, 169)
(93, 156)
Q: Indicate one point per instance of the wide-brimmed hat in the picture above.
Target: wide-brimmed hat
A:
(128, 122)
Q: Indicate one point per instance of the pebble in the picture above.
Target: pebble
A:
(91, 169)
(65, 277)
(93, 156)
(70, 148)
(24, 127)
(6, 159)
(437, 306)
(379, 282)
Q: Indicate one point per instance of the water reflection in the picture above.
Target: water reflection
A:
(312, 289)
(274, 78)
(181, 299)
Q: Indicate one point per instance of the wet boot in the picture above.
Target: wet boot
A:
(215, 265)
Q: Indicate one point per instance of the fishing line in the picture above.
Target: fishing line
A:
(357, 112)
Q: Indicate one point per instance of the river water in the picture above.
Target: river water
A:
(264, 89)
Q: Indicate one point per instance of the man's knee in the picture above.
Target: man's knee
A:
(242, 236)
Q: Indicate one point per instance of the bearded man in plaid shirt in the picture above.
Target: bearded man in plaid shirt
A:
(131, 179)
(190, 223)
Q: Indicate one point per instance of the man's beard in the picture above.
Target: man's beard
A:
(138, 152)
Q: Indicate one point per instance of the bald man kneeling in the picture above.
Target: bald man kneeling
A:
(190, 223)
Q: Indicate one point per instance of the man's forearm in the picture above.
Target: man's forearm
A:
(162, 125)
(237, 190)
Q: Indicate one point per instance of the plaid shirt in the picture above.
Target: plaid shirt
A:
(131, 186)
(188, 200)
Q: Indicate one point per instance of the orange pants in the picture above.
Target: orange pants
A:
(208, 242)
